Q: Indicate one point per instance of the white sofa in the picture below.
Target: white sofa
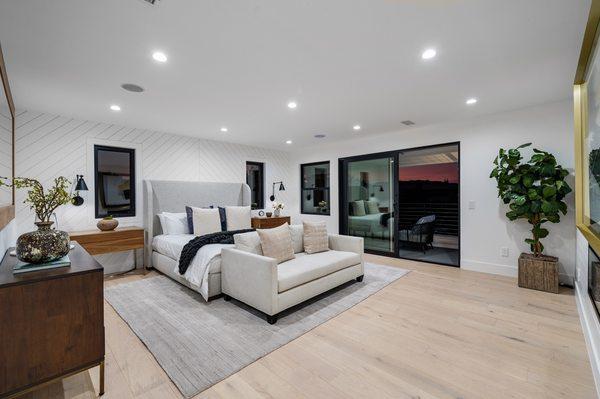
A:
(260, 282)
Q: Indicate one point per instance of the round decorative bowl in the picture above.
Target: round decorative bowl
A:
(43, 245)
(107, 224)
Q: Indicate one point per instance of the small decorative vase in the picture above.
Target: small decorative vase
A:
(43, 245)
(107, 224)
(276, 212)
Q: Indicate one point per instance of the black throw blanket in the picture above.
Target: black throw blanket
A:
(191, 248)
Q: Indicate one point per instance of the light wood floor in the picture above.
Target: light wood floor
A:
(439, 332)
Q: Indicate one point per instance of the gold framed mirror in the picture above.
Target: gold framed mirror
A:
(7, 146)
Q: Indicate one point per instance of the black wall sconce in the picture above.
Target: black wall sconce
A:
(380, 189)
(281, 188)
(79, 186)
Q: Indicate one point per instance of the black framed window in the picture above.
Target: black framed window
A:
(315, 188)
(114, 178)
(255, 178)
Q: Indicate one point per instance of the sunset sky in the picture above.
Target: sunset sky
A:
(435, 172)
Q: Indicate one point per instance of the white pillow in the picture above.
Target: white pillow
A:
(206, 221)
(248, 242)
(173, 223)
(297, 232)
(238, 217)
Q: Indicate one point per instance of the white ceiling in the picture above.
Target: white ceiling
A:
(237, 63)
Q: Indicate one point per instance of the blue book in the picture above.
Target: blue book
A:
(23, 267)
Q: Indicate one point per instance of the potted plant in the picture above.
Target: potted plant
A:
(534, 191)
(45, 244)
(277, 208)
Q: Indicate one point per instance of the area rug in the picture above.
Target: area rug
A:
(198, 344)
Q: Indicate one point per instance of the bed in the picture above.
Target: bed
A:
(370, 225)
(162, 250)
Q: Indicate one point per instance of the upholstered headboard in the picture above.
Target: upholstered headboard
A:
(173, 196)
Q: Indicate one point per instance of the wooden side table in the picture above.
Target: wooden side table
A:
(101, 242)
(51, 323)
(269, 223)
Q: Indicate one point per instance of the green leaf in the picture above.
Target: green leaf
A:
(548, 191)
(528, 180)
(532, 193)
(523, 146)
(540, 232)
(515, 179)
(520, 200)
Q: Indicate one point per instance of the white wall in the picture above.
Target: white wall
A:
(48, 146)
(587, 313)
(485, 229)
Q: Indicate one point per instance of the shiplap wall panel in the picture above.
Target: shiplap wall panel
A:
(48, 146)
(5, 153)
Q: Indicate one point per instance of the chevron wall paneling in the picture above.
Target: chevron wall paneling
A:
(48, 146)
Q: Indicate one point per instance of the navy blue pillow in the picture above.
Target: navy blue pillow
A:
(190, 218)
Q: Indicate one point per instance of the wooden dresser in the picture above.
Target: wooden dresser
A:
(269, 223)
(51, 323)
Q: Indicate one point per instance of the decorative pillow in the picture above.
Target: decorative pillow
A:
(277, 243)
(315, 237)
(190, 218)
(297, 232)
(238, 217)
(206, 221)
(372, 206)
(173, 223)
(358, 208)
(248, 242)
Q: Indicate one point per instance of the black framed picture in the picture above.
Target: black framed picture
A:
(314, 190)
(114, 178)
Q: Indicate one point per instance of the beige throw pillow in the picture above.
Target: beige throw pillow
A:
(277, 243)
(372, 207)
(206, 221)
(358, 208)
(315, 237)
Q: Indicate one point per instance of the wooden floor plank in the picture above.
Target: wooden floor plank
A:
(439, 332)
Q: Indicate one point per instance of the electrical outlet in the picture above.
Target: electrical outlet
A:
(471, 204)
(504, 251)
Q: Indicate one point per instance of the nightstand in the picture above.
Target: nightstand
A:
(120, 239)
(269, 223)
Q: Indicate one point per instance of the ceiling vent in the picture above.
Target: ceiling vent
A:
(408, 123)
(132, 87)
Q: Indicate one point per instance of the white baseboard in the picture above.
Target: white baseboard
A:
(504, 270)
(591, 331)
(492, 268)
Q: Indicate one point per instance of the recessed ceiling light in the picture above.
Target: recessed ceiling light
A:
(356, 127)
(471, 101)
(224, 129)
(289, 142)
(159, 56)
(292, 105)
(115, 107)
(428, 54)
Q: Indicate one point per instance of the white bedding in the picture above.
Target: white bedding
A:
(370, 223)
(207, 260)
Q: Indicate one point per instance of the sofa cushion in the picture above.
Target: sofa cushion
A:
(297, 232)
(315, 237)
(277, 243)
(305, 268)
(248, 242)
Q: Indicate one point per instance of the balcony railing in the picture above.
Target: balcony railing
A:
(446, 215)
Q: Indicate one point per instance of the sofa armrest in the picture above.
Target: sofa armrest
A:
(250, 278)
(339, 242)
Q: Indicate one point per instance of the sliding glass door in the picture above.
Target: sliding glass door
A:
(404, 203)
(368, 198)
